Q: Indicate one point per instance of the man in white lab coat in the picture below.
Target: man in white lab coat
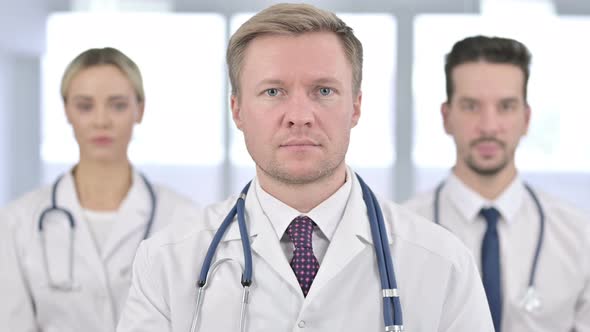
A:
(296, 74)
(532, 249)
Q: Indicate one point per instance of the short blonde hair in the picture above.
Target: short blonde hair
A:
(292, 19)
(103, 56)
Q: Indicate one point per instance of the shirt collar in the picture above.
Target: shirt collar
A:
(326, 215)
(511, 199)
(134, 200)
(469, 202)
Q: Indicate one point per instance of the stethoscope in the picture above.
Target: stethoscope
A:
(69, 285)
(392, 312)
(530, 300)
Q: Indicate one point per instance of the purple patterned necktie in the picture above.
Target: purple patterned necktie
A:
(304, 263)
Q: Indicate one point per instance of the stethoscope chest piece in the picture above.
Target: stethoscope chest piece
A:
(531, 302)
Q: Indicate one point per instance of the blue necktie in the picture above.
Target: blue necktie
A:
(490, 264)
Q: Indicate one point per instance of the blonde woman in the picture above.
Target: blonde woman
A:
(68, 248)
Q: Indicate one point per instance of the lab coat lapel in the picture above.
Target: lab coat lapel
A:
(350, 238)
(84, 244)
(132, 218)
(266, 244)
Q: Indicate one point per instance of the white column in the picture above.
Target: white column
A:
(4, 134)
(403, 176)
(20, 168)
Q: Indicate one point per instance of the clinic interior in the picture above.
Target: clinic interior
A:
(187, 139)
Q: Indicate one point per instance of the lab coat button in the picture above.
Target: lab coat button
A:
(301, 324)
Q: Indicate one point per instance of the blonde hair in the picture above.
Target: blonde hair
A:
(103, 56)
(293, 19)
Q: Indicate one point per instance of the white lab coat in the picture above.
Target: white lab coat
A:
(562, 278)
(437, 277)
(102, 279)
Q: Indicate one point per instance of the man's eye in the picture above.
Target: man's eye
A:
(272, 92)
(469, 106)
(325, 91)
(507, 106)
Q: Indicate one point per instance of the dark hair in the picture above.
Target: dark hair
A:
(489, 49)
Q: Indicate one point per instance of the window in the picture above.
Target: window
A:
(557, 92)
(183, 82)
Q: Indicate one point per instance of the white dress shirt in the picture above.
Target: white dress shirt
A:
(327, 215)
(562, 278)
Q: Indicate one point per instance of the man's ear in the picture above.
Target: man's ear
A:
(445, 109)
(527, 119)
(356, 105)
(235, 111)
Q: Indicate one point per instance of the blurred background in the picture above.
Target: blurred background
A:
(187, 139)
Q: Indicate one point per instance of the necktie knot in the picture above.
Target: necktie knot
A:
(300, 232)
(491, 215)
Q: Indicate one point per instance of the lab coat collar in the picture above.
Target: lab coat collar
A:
(468, 202)
(326, 215)
(84, 244)
(132, 214)
(253, 214)
(511, 200)
(352, 235)
(356, 216)
(264, 241)
(355, 208)
(66, 194)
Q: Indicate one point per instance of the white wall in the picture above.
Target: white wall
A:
(22, 43)
(22, 24)
(25, 129)
(4, 134)
(19, 124)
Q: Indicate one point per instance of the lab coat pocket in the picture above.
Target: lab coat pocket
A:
(53, 283)
(57, 307)
(547, 308)
(49, 266)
